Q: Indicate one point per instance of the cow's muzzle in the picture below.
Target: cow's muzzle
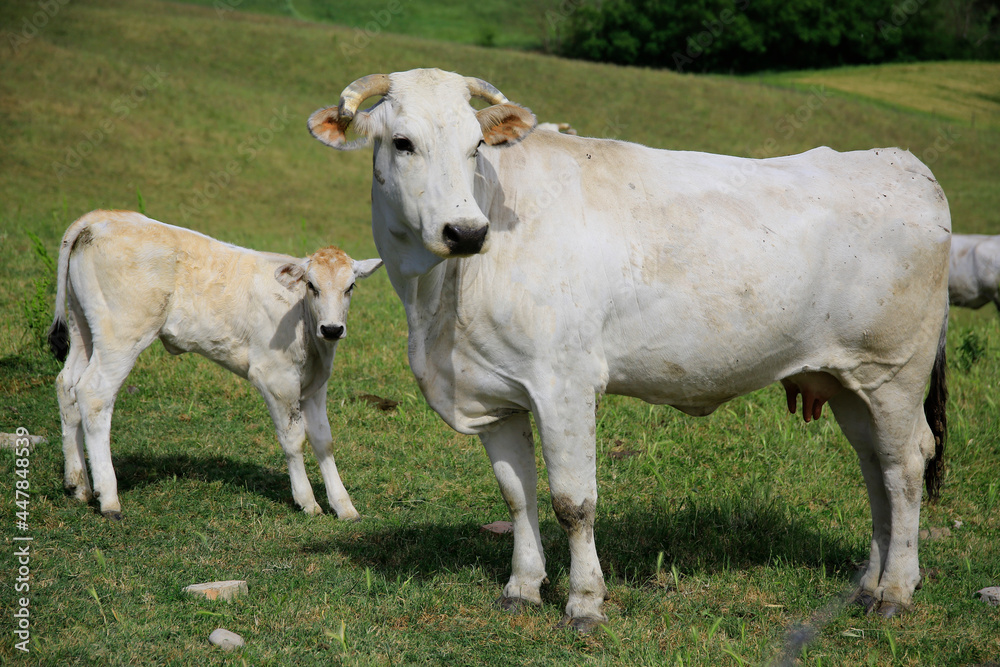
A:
(332, 331)
(465, 240)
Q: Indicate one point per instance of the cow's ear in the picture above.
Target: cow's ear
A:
(289, 275)
(366, 267)
(506, 124)
(330, 127)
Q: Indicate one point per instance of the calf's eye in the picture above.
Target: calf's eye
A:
(312, 288)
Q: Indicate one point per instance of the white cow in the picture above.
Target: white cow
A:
(974, 275)
(272, 319)
(537, 274)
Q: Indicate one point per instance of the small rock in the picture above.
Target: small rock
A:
(990, 596)
(498, 528)
(219, 590)
(225, 639)
(9, 440)
(958, 524)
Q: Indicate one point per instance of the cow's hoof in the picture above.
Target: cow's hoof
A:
(314, 510)
(864, 599)
(514, 605)
(584, 625)
(887, 610)
(112, 515)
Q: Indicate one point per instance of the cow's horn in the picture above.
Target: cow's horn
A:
(329, 125)
(361, 90)
(485, 91)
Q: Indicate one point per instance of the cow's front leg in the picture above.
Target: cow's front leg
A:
(318, 430)
(282, 399)
(511, 449)
(568, 432)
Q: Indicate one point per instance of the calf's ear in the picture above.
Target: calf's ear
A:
(289, 275)
(366, 267)
(505, 124)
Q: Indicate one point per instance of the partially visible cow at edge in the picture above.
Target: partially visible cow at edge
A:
(272, 319)
(974, 275)
(538, 270)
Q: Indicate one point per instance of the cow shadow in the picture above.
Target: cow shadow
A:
(135, 471)
(709, 538)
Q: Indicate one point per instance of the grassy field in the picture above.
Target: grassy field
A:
(724, 539)
(516, 24)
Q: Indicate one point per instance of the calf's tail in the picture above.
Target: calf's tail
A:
(937, 418)
(59, 332)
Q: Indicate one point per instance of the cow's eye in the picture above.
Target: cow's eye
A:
(402, 144)
(349, 290)
(312, 288)
(475, 151)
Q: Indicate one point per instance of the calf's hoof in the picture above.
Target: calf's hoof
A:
(313, 510)
(80, 493)
(514, 605)
(584, 625)
(112, 515)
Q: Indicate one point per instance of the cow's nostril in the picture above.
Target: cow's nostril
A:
(332, 331)
(463, 240)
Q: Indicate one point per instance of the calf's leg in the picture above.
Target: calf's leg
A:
(318, 430)
(281, 394)
(75, 478)
(95, 397)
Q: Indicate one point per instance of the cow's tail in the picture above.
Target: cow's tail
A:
(937, 418)
(59, 332)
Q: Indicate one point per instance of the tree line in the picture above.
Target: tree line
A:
(741, 36)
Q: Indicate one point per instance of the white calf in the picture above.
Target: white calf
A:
(272, 319)
(974, 272)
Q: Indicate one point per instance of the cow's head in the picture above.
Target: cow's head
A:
(328, 277)
(426, 138)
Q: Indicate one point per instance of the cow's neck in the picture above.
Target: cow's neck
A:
(322, 351)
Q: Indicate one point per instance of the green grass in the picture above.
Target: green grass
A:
(514, 24)
(958, 92)
(759, 518)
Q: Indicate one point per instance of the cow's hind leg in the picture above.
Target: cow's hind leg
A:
(891, 438)
(75, 478)
(318, 430)
(511, 449)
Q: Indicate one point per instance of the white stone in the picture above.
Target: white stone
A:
(990, 596)
(219, 590)
(225, 639)
(9, 440)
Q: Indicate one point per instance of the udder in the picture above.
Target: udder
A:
(816, 388)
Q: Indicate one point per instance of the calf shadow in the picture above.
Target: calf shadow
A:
(135, 471)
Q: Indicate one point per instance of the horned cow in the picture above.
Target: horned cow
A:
(539, 270)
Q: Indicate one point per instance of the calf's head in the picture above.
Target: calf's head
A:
(328, 278)
(426, 138)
